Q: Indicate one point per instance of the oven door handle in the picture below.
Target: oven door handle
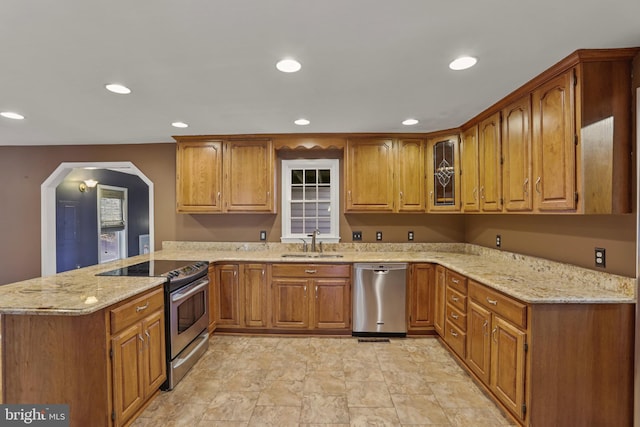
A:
(196, 287)
(192, 352)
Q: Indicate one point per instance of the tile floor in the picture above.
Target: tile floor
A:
(261, 381)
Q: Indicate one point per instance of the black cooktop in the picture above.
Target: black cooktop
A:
(175, 271)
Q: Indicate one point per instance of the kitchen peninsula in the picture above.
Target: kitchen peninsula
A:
(563, 316)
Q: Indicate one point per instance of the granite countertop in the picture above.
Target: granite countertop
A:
(531, 280)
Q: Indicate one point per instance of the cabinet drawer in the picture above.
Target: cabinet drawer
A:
(457, 317)
(456, 339)
(456, 281)
(456, 299)
(507, 308)
(136, 309)
(311, 270)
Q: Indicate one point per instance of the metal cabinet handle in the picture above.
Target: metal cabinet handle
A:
(492, 301)
(142, 307)
(316, 291)
(484, 328)
(454, 334)
(454, 316)
(454, 280)
(482, 192)
(148, 337)
(142, 341)
(525, 186)
(538, 185)
(493, 334)
(401, 196)
(311, 271)
(218, 195)
(454, 298)
(475, 193)
(349, 195)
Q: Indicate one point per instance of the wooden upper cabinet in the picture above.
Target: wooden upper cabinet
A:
(470, 173)
(249, 176)
(369, 175)
(554, 143)
(199, 176)
(516, 153)
(443, 173)
(214, 176)
(410, 176)
(490, 164)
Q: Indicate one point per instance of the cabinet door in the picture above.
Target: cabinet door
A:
(128, 372)
(554, 144)
(332, 304)
(255, 295)
(490, 164)
(199, 176)
(442, 173)
(507, 364)
(439, 300)
(470, 174)
(421, 296)
(249, 176)
(155, 366)
(516, 150)
(228, 296)
(410, 175)
(369, 175)
(479, 341)
(290, 305)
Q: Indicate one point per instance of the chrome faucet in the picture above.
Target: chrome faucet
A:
(313, 235)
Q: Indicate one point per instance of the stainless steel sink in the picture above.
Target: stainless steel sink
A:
(311, 255)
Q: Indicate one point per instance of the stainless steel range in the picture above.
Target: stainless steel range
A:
(186, 310)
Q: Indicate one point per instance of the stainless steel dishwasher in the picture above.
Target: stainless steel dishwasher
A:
(380, 299)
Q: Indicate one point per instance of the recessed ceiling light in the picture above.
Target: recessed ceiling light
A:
(12, 115)
(118, 88)
(179, 125)
(288, 65)
(463, 63)
(410, 122)
(302, 122)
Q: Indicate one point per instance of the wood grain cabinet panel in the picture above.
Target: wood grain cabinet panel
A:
(470, 173)
(421, 297)
(311, 296)
(508, 365)
(479, 341)
(128, 372)
(255, 295)
(224, 175)
(410, 175)
(228, 298)
(516, 152)
(490, 164)
(369, 184)
(439, 300)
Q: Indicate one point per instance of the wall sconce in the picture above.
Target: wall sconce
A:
(87, 185)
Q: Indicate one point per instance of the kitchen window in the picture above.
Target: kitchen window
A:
(310, 199)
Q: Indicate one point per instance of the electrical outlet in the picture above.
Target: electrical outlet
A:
(601, 257)
(356, 235)
(378, 235)
(498, 241)
(410, 236)
(263, 235)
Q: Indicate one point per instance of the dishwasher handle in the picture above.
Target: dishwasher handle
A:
(380, 271)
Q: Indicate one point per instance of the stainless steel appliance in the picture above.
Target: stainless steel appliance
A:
(380, 299)
(186, 310)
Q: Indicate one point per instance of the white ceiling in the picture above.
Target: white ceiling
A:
(366, 64)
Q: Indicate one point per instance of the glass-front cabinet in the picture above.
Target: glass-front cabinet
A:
(443, 173)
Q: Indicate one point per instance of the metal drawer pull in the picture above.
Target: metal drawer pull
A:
(492, 301)
(311, 271)
(142, 307)
(454, 334)
(454, 298)
(454, 316)
(454, 280)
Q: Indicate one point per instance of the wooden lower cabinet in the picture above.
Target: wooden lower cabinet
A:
(227, 296)
(138, 361)
(240, 295)
(311, 297)
(421, 297)
(106, 365)
(439, 300)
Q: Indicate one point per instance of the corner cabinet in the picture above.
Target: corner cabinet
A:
(224, 175)
(443, 174)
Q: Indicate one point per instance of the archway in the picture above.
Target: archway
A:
(48, 206)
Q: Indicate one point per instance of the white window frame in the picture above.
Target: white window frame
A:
(334, 169)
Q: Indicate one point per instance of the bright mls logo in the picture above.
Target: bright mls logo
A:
(34, 415)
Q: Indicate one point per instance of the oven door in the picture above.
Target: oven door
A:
(188, 314)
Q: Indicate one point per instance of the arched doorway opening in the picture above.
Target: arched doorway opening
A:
(48, 206)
